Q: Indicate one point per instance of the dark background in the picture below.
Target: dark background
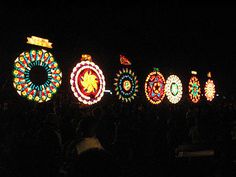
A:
(175, 37)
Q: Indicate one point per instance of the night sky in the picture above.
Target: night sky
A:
(173, 37)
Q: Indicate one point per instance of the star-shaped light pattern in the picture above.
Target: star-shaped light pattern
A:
(87, 82)
(126, 85)
(194, 89)
(210, 90)
(155, 87)
(21, 75)
(173, 89)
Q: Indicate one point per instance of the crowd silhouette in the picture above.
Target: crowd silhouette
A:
(62, 138)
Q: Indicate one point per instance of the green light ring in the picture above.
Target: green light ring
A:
(173, 97)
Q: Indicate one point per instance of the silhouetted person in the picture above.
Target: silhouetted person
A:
(92, 159)
(87, 138)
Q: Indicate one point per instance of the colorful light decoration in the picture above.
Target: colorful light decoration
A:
(124, 60)
(87, 81)
(173, 89)
(209, 88)
(126, 85)
(155, 87)
(22, 82)
(34, 40)
(194, 89)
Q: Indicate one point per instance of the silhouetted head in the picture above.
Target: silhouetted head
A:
(87, 126)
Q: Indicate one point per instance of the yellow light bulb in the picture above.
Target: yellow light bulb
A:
(15, 72)
(19, 87)
(30, 97)
(36, 98)
(16, 79)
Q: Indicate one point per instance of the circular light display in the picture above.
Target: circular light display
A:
(126, 85)
(87, 82)
(155, 87)
(173, 89)
(210, 90)
(194, 89)
(34, 85)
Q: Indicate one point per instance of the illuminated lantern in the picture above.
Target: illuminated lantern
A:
(24, 67)
(124, 60)
(194, 89)
(126, 85)
(209, 89)
(173, 89)
(155, 87)
(87, 81)
(34, 40)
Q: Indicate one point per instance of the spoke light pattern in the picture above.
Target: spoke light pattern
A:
(126, 85)
(22, 82)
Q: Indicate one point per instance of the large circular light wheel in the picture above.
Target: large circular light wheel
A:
(126, 85)
(173, 89)
(155, 87)
(36, 75)
(87, 82)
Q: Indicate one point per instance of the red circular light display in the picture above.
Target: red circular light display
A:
(155, 87)
(87, 82)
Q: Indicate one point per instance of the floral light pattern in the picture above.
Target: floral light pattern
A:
(21, 75)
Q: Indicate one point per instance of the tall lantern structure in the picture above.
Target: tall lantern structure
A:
(125, 82)
(173, 89)
(194, 88)
(87, 81)
(36, 74)
(209, 88)
(155, 87)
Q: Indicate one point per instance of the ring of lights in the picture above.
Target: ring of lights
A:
(209, 90)
(173, 89)
(87, 82)
(155, 87)
(126, 85)
(21, 81)
(194, 89)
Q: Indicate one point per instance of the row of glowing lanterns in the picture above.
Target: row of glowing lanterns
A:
(88, 82)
